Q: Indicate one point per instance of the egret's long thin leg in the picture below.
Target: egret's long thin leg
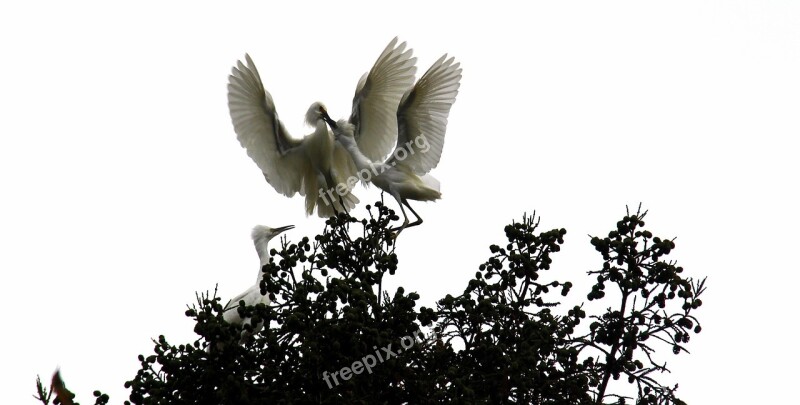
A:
(335, 210)
(419, 218)
(405, 222)
(405, 217)
(341, 201)
(341, 205)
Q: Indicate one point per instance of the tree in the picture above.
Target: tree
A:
(336, 336)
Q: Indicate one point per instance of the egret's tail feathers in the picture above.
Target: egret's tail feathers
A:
(311, 204)
(329, 205)
(339, 196)
(325, 206)
(431, 182)
(311, 182)
(350, 201)
(324, 199)
(427, 189)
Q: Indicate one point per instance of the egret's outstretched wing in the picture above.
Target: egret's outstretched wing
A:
(422, 116)
(260, 131)
(377, 96)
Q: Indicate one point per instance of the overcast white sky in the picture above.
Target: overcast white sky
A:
(123, 189)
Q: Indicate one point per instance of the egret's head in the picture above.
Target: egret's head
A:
(266, 233)
(316, 112)
(262, 235)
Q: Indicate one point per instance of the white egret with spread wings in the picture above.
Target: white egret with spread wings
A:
(316, 166)
(421, 125)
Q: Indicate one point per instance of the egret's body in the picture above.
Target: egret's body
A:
(398, 180)
(252, 296)
(421, 122)
(289, 165)
(316, 165)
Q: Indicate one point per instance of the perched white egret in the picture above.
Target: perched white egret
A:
(421, 125)
(252, 296)
(316, 166)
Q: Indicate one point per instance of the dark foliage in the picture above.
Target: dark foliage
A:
(336, 336)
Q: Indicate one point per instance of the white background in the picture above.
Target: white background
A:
(123, 189)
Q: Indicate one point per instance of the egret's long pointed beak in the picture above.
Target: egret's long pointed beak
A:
(328, 119)
(283, 228)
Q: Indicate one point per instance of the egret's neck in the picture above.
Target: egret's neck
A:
(319, 146)
(361, 161)
(321, 127)
(322, 135)
(261, 243)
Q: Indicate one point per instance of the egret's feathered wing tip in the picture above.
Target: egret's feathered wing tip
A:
(423, 111)
(260, 132)
(376, 99)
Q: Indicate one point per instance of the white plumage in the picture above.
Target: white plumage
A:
(421, 125)
(316, 165)
(252, 296)
(374, 114)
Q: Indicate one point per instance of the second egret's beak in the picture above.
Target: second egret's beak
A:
(283, 228)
